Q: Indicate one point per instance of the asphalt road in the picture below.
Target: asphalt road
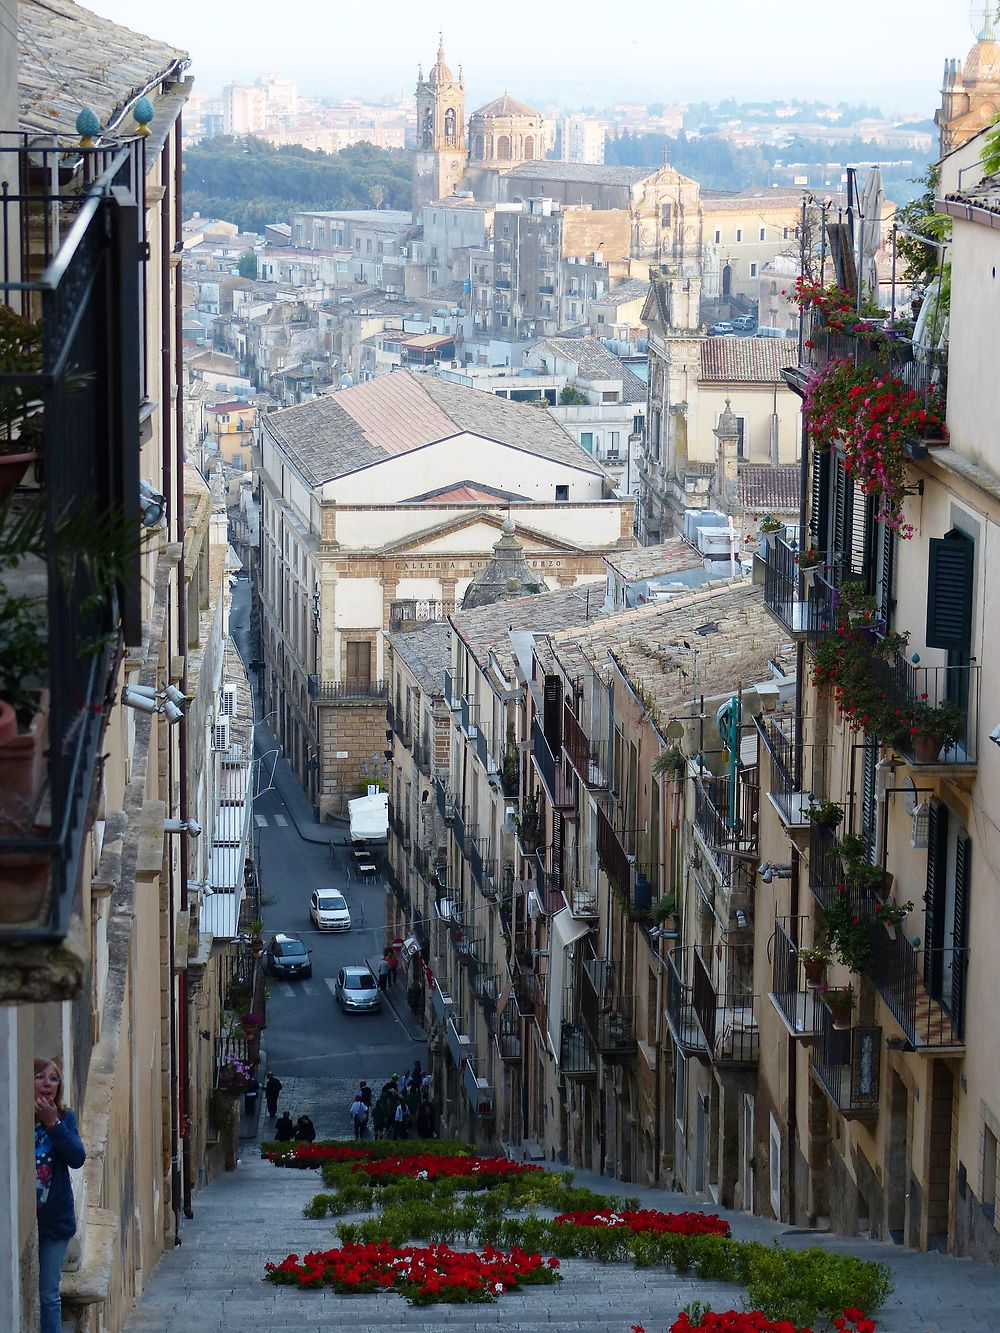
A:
(306, 1034)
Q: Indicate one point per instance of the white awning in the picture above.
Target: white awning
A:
(566, 929)
(370, 818)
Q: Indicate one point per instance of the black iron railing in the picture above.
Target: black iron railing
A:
(906, 683)
(726, 815)
(469, 712)
(588, 759)
(347, 691)
(725, 1005)
(923, 990)
(920, 368)
(78, 271)
(792, 797)
(451, 695)
(794, 996)
(607, 1013)
(577, 1058)
(847, 1064)
(558, 790)
(508, 1034)
(681, 1016)
(803, 601)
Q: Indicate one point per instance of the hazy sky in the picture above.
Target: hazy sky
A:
(885, 52)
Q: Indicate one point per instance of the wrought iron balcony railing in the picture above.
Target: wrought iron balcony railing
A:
(803, 602)
(795, 1000)
(606, 1012)
(682, 1019)
(725, 1005)
(451, 694)
(469, 712)
(72, 261)
(847, 1065)
(920, 368)
(589, 760)
(726, 814)
(790, 797)
(550, 769)
(577, 1057)
(347, 691)
(508, 1034)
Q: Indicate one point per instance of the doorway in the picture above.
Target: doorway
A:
(897, 1159)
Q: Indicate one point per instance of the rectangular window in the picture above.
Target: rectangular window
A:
(587, 440)
(785, 233)
(562, 493)
(763, 234)
(359, 663)
(609, 395)
(739, 234)
(600, 319)
(368, 247)
(613, 440)
(718, 236)
(753, 269)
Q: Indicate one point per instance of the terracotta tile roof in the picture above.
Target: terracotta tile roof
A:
(505, 105)
(765, 487)
(747, 360)
(585, 172)
(340, 433)
(458, 494)
(426, 651)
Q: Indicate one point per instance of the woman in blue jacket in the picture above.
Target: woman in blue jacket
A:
(57, 1148)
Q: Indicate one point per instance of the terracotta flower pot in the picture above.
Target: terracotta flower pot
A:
(840, 1013)
(927, 748)
(815, 973)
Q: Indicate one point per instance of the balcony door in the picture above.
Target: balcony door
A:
(359, 663)
(946, 907)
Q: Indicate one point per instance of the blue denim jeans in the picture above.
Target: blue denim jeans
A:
(51, 1254)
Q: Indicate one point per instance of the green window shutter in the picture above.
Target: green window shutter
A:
(934, 894)
(960, 935)
(819, 505)
(949, 592)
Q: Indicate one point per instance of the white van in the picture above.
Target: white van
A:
(769, 331)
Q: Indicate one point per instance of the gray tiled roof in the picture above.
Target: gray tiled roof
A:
(487, 628)
(324, 437)
(585, 172)
(426, 651)
(763, 486)
(595, 362)
(747, 360)
(633, 289)
(69, 58)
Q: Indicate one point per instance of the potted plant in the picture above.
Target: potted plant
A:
(840, 1002)
(664, 909)
(892, 914)
(933, 729)
(769, 529)
(251, 1024)
(856, 603)
(814, 964)
(809, 561)
(529, 824)
(671, 762)
(828, 814)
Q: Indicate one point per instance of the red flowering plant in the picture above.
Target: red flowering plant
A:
(874, 416)
(424, 1275)
(854, 660)
(477, 1171)
(351, 1150)
(650, 1220)
(852, 1320)
(834, 308)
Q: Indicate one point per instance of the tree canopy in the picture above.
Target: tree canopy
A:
(250, 182)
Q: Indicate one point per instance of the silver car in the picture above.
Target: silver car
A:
(356, 990)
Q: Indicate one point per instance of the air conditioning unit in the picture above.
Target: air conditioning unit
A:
(227, 701)
(220, 735)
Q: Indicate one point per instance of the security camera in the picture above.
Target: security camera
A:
(176, 696)
(190, 826)
(171, 712)
(995, 735)
(765, 872)
(152, 505)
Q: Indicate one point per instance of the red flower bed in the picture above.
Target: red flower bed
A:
(313, 1154)
(427, 1167)
(651, 1219)
(423, 1274)
(740, 1321)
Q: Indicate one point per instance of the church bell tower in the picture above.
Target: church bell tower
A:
(439, 162)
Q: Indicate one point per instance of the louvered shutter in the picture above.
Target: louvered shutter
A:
(869, 802)
(819, 505)
(859, 527)
(960, 935)
(934, 894)
(841, 517)
(949, 592)
(886, 573)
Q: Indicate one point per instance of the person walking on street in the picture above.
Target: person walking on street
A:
(284, 1129)
(272, 1086)
(58, 1147)
(416, 1073)
(401, 1121)
(380, 1116)
(393, 960)
(404, 1082)
(425, 1119)
(383, 973)
(365, 1093)
(305, 1129)
(359, 1115)
(250, 1094)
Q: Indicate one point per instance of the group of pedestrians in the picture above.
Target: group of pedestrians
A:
(285, 1128)
(387, 969)
(403, 1108)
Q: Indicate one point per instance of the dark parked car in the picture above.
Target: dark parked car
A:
(357, 990)
(287, 956)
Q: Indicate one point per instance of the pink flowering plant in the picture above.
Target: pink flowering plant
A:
(873, 416)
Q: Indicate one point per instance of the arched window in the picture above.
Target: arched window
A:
(529, 147)
(727, 279)
(503, 148)
(477, 151)
(449, 123)
(428, 131)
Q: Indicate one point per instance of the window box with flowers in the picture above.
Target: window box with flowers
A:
(810, 562)
(828, 814)
(234, 1074)
(770, 528)
(814, 965)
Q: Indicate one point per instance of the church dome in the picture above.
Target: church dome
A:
(983, 63)
(440, 73)
(505, 575)
(506, 106)
(506, 131)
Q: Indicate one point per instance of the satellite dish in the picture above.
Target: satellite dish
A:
(675, 730)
